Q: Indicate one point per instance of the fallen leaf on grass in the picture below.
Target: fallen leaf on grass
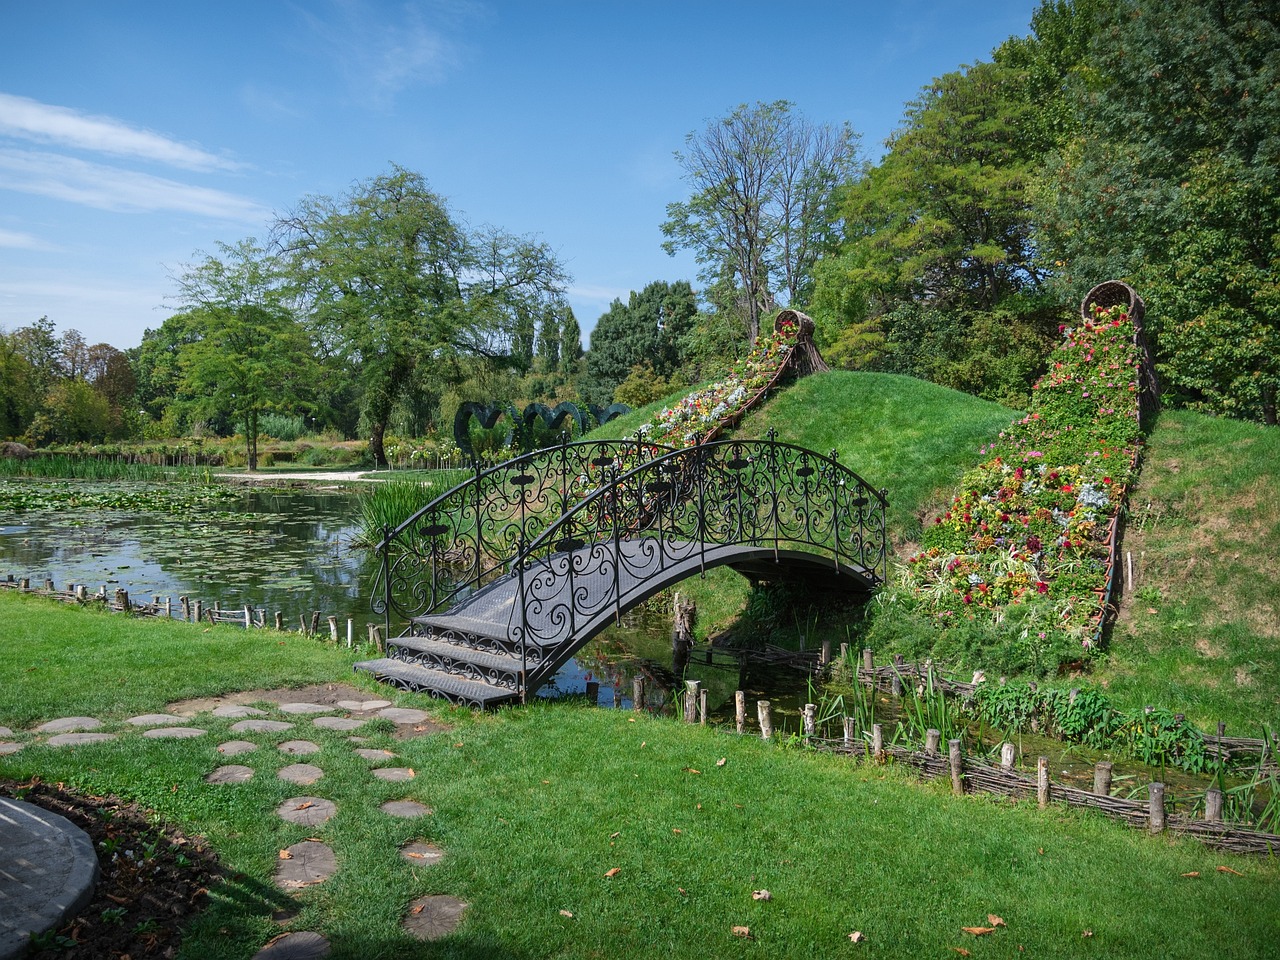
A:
(676, 830)
(613, 871)
(546, 781)
(857, 936)
(722, 761)
(961, 950)
(743, 932)
(1087, 933)
(995, 921)
(691, 770)
(979, 931)
(1234, 873)
(615, 835)
(1193, 873)
(631, 719)
(683, 891)
(761, 895)
(566, 913)
(411, 773)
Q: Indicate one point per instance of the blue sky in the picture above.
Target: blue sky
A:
(135, 134)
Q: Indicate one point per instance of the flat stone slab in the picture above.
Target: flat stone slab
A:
(174, 733)
(231, 773)
(433, 917)
(234, 748)
(8, 748)
(378, 756)
(69, 725)
(155, 720)
(304, 945)
(260, 726)
(305, 863)
(299, 708)
(424, 854)
(237, 710)
(338, 723)
(403, 714)
(362, 706)
(308, 811)
(405, 808)
(47, 870)
(5, 732)
(301, 773)
(77, 739)
(299, 748)
(393, 774)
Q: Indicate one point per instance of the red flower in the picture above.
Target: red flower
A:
(1041, 587)
(968, 598)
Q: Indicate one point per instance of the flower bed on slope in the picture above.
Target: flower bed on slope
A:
(1014, 572)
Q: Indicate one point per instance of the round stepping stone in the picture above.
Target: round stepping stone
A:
(154, 720)
(299, 748)
(296, 708)
(8, 748)
(76, 739)
(423, 854)
(294, 946)
(405, 808)
(260, 726)
(69, 725)
(233, 748)
(358, 739)
(403, 714)
(338, 723)
(308, 811)
(376, 755)
(301, 773)
(363, 705)
(231, 773)
(393, 774)
(174, 733)
(305, 863)
(237, 710)
(5, 732)
(430, 918)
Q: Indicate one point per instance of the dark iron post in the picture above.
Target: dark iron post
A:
(524, 623)
(386, 576)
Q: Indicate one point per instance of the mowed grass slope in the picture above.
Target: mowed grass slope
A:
(579, 833)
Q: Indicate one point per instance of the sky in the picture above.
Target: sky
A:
(136, 136)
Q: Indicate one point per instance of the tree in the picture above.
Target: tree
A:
(762, 180)
(252, 355)
(17, 396)
(649, 328)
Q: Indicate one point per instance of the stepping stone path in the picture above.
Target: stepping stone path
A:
(5, 732)
(300, 773)
(376, 755)
(231, 773)
(393, 774)
(234, 748)
(338, 723)
(236, 710)
(76, 739)
(299, 748)
(297, 708)
(69, 725)
(261, 726)
(403, 715)
(304, 864)
(423, 854)
(405, 808)
(8, 748)
(294, 946)
(155, 720)
(174, 733)
(363, 706)
(430, 918)
(308, 811)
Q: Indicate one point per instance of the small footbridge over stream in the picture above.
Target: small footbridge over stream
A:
(498, 582)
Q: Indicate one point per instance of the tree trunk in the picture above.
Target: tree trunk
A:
(375, 444)
(1269, 406)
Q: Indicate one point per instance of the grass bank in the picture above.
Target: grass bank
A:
(575, 832)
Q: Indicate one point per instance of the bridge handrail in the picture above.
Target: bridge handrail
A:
(619, 510)
(474, 529)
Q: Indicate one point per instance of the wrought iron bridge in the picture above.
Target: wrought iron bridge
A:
(498, 582)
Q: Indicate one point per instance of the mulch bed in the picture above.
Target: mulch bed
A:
(154, 879)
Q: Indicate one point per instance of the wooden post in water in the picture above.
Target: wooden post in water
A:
(168, 607)
(82, 593)
(1008, 753)
(1102, 778)
(957, 767)
(48, 585)
(280, 624)
(24, 584)
(1155, 805)
(333, 628)
(932, 739)
(315, 622)
(740, 710)
(691, 700)
(1213, 805)
(197, 610)
(877, 742)
(593, 692)
(248, 617)
(350, 632)
(1042, 781)
(637, 692)
(765, 718)
(302, 623)
(186, 607)
(810, 719)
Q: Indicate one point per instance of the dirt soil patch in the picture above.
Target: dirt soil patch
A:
(154, 879)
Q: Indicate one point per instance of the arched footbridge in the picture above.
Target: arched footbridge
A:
(498, 582)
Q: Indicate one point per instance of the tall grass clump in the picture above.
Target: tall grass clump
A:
(390, 503)
(64, 467)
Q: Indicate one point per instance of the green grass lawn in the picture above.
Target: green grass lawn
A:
(534, 807)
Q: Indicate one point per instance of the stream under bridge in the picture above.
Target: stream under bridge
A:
(495, 584)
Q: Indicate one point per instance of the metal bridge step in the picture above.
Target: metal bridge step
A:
(458, 657)
(442, 686)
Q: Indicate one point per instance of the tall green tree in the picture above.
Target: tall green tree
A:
(650, 328)
(17, 393)
(760, 209)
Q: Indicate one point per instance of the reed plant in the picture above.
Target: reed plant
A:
(65, 467)
(390, 503)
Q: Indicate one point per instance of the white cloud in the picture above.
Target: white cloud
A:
(14, 240)
(111, 188)
(598, 293)
(61, 126)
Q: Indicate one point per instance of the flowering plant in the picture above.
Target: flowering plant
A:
(1030, 525)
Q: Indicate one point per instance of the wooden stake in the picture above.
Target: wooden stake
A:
(1042, 781)
(877, 742)
(957, 767)
(691, 700)
(1213, 805)
(593, 691)
(826, 651)
(333, 628)
(1155, 804)
(740, 710)
(702, 707)
(637, 692)
(280, 623)
(810, 719)
(1102, 778)
(1008, 753)
(849, 731)
(765, 718)
(932, 739)
(868, 663)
